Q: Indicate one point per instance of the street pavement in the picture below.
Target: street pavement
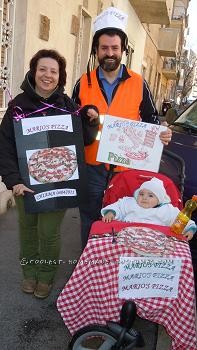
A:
(27, 323)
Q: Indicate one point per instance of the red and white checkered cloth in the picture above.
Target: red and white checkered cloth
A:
(91, 294)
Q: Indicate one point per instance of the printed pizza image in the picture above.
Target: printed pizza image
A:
(52, 164)
(145, 241)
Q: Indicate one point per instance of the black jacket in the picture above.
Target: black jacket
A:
(29, 101)
(148, 112)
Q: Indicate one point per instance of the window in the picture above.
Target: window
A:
(189, 117)
(6, 25)
(143, 71)
(82, 45)
(150, 73)
(129, 56)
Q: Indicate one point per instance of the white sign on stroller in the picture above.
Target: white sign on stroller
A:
(145, 277)
(129, 143)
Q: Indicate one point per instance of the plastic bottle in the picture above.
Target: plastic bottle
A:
(184, 216)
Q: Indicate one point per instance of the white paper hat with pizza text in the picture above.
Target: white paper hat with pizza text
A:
(110, 18)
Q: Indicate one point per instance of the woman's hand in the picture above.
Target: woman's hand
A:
(92, 114)
(20, 189)
(108, 217)
(165, 136)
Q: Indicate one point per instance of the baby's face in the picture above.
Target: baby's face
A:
(147, 199)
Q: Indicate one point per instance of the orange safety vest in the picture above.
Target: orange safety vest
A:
(124, 104)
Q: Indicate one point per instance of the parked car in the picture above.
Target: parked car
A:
(184, 144)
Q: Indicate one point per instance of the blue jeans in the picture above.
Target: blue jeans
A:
(90, 211)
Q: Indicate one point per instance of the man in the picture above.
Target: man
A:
(115, 90)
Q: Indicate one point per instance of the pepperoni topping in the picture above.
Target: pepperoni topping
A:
(52, 164)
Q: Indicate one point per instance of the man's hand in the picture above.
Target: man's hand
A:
(165, 136)
(20, 189)
(188, 235)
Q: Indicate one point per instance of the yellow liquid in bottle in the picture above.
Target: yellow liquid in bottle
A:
(180, 223)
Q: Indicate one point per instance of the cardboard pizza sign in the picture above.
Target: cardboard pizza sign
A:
(51, 161)
(131, 144)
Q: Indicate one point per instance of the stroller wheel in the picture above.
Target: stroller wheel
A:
(92, 338)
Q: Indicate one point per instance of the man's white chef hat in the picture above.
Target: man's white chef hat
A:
(108, 21)
(156, 186)
(110, 18)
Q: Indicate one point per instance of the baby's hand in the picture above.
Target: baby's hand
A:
(188, 235)
(108, 217)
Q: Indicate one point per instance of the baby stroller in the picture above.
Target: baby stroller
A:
(114, 336)
(89, 303)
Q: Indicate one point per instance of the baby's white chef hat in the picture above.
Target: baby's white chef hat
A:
(110, 18)
(156, 186)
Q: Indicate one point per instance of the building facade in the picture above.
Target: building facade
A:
(192, 61)
(165, 41)
(155, 32)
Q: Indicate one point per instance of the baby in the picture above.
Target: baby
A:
(150, 204)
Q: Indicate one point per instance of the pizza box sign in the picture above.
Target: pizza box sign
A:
(51, 161)
(131, 144)
(148, 277)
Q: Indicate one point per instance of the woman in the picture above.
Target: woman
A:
(39, 233)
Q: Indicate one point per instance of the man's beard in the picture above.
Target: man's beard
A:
(109, 66)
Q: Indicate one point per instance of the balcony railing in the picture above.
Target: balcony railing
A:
(153, 11)
(170, 64)
(170, 69)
